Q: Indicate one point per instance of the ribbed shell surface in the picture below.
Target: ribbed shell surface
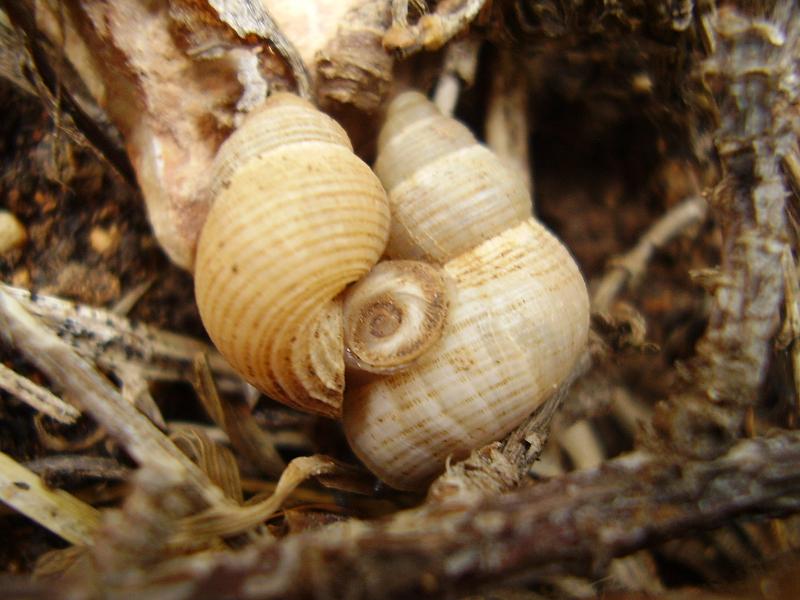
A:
(518, 315)
(296, 217)
(447, 192)
(517, 324)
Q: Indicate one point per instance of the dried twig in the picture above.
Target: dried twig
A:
(77, 468)
(507, 127)
(754, 70)
(459, 68)
(118, 345)
(250, 17)
(755, 63)
(501, 466)
(572, 524)
(526, 442)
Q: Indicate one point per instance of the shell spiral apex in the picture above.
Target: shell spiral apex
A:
(394, 315)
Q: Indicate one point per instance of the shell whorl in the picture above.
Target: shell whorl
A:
(296, 217)
(394, 315)
(519, 311)
(447, 192)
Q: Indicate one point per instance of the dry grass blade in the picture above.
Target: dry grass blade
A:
(37, 397)
(124, 305)
(229, 520)
(235, 418)
(136, 391)
(216, 461)
(55, 510)
(54, 357)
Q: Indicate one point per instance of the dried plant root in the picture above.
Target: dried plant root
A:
(631, 266)
(507, 127)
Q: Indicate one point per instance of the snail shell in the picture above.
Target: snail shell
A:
(296, 217)
(518, 308)
(475, 321)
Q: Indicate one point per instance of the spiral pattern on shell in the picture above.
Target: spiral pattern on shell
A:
(394, 315)
(519, 311)
(296, 217)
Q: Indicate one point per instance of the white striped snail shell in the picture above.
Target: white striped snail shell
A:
(519, 311)
(475, 322)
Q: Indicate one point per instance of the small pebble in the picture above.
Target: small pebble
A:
(103, 240)
(12, 232)
(21, 278)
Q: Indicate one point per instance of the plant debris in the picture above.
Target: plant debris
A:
(660, 142)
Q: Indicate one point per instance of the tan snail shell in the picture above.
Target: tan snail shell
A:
(296, 217)
(518, 307)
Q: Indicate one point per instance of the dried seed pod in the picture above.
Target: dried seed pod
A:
(296, 217)
(519, 311)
